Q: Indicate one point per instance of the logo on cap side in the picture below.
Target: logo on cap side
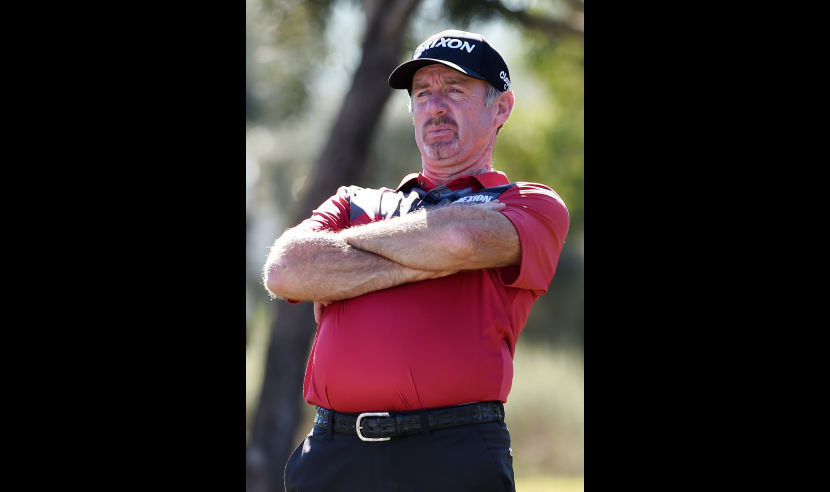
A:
(505, 78)
(445, 43)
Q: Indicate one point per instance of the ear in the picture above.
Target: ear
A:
(504, 106)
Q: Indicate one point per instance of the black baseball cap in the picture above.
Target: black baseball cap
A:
(467, 52)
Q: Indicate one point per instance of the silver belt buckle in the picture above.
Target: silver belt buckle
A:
(369, 414)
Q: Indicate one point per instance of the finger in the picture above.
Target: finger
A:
(319, 307)
(495, 205)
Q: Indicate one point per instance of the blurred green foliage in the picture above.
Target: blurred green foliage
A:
(545, 411)
(281, 54)
(544, 139)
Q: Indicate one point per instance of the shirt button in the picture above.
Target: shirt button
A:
(421, 182)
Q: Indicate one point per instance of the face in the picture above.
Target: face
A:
(454, 131)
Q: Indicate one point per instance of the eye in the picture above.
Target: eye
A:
(456, 93)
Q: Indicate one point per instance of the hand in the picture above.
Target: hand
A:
(319, 307)
(431, 274)
(493, 205)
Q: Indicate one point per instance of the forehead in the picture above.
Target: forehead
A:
(440, 73)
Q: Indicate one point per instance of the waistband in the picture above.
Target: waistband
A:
(382, 426)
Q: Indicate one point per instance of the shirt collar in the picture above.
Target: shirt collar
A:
(486, 180)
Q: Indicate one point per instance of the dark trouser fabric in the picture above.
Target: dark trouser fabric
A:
(473, 457)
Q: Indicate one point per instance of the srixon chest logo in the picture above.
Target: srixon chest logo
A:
(444, 43)
(482, 196)
(476, 198)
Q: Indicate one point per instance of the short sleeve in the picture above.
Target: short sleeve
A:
(542, 221)
(331, 215)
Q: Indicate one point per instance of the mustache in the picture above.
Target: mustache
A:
(441, 120)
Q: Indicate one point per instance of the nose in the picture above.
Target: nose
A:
(436, 105)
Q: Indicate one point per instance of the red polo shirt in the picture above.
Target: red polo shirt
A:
(437, 342)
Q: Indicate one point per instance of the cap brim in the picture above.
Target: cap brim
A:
(401, 77)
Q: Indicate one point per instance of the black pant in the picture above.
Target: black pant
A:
(473, 457)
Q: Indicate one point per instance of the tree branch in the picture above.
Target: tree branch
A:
(573, 25)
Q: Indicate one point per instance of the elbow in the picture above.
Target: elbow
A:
(484, 244)
(461, 244)
(286, 270)
(465, 235)
(273, 278)
(270, 278)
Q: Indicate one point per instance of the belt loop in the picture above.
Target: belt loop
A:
(330, 429)
(425, 430)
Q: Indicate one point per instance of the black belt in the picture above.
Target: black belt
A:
(382, 426)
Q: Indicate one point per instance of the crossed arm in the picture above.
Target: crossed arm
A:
(331, 266)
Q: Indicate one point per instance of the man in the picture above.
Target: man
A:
(420, 294)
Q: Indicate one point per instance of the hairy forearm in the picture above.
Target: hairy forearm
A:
(455, 237)
(321, 266)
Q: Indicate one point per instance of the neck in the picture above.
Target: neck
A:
(444, 176)
(444, 171)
